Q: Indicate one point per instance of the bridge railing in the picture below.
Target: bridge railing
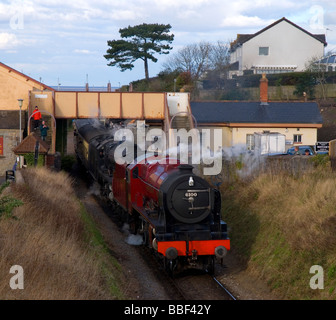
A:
(114, 105)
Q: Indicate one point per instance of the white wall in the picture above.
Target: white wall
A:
(309, 135)
(287, 44)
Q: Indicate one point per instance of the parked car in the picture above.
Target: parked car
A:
(302, 150)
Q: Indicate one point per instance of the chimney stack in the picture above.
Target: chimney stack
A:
(264, 89)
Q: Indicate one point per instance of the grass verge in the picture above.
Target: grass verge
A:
(281, 226)
(56, 242)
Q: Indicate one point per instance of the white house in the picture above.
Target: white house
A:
(280, 47)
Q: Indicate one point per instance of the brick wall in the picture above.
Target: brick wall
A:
(263, 89)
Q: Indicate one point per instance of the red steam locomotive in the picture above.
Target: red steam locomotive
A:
(176, 211)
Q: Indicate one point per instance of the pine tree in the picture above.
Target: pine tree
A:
(145, 41)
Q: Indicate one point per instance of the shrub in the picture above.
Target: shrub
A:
(67, 162)
(305, 83)
(7, 203)
(30, 160)
(321, 160)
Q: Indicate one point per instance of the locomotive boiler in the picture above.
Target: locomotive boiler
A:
(177, 212)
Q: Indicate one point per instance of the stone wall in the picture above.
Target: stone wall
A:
(11, 139)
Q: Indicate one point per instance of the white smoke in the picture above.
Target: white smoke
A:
(94, 189)
(134, 239)
(235, 151)
(96, 123)
(131, 239)
(125, 228)
(246, 162)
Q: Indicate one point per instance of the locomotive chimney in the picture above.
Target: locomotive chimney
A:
(263, 90)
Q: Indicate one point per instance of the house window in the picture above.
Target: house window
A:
(297, 138)
(263, 51)
(250, 142)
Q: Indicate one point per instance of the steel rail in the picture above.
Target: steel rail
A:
(226, 290)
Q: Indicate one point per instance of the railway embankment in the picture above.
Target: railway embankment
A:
(52, 243)
(282, 226)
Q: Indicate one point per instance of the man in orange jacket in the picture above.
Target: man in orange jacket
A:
(36, 117)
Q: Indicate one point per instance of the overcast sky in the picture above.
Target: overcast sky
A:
(61, 41)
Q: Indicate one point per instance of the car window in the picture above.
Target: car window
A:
(302, 150)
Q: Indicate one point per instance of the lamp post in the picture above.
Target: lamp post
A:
(20, 105)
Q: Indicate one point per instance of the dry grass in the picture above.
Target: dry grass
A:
(50, 241)
(304, 209)
(281, 225)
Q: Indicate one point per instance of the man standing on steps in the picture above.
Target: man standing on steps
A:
(36, 117)
(44, 130)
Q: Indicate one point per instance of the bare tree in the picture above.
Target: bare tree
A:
(199, 59)
(220, 56)
(193, 58)
(217, 73)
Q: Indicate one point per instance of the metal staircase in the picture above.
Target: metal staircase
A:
(178, 113)
(181, 121)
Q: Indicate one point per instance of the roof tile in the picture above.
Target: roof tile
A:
(254, 112)
(28, 145)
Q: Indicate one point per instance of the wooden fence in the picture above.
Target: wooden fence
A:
(332, 154)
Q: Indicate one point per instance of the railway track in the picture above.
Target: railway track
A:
(224, 288)
(184, 286)
(198, 286)
(154, 264)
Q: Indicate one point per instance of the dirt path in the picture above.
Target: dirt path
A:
(140, 283)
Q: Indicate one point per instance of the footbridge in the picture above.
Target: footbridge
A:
(165, 109)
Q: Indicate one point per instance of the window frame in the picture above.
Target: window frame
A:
(264, 54)
(297, 138)
(250, 142)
